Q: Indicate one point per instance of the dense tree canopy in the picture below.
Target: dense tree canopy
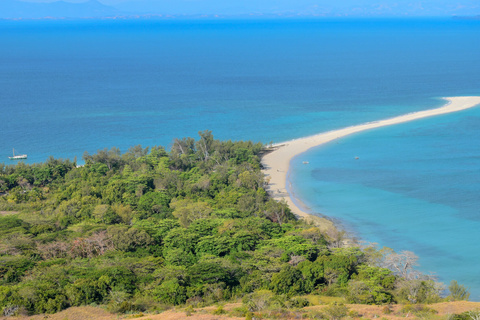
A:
(149, 227)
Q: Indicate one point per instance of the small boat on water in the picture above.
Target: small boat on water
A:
(18, 157)
(306, 162)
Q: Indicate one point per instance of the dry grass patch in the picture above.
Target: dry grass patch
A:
(74, 313)
(394, 312)
(356, 311)
(97, 313)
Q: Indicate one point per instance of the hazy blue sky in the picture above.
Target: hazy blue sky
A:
(343, 3)
(315, 7)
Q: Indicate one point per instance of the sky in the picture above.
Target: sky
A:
(345, 3)
(304, 7)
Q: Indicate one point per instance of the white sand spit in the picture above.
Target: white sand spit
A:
(276, 163)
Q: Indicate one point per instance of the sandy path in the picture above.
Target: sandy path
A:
(277, 162)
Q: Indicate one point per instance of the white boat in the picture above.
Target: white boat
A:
(18, 157)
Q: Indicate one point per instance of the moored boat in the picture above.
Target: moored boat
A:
(17, 157)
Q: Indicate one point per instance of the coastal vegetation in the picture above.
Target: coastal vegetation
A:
(150, 229)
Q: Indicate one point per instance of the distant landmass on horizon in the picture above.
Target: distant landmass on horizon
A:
(16, 9)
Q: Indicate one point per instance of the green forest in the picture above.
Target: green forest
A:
(149, 229)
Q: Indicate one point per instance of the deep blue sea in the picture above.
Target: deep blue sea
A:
(72, 86)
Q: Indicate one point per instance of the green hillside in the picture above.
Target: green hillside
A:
(148, 229)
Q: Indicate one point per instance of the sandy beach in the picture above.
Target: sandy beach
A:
(277, 162)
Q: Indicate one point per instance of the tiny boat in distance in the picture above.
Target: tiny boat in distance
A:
(19, 157)
(306, 162)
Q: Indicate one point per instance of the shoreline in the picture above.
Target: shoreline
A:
(276, 161)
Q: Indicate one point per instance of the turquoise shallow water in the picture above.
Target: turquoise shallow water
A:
(72, 86)
(414, 187)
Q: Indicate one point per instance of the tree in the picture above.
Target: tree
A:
(208, 272)
(335, 237)
(100, 212)
(402, 264)
(111, 158)
(338, 268)
(458, 292)
(288, 281)
(171, 291)
(183, 152)
(128, 239)
(187, 210)
(421, 289)
(154, 203)
(204, 145)
(278, 212)
(218, 246)
(125, 213)
(367, 292)
(312, 273)
(3, 186)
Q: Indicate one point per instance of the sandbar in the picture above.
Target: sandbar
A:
(276, 161)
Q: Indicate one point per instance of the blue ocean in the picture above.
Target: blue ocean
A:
(67, 87)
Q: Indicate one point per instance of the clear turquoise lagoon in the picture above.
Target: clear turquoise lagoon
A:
(72, 86)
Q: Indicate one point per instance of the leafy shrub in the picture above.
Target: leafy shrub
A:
(288, 281)
(335, 311)
(219, 310)
(171, 292)
(458, 292)
(298, 302)
(259, 300)
(239, 312)
(189, 310)
(417, 310)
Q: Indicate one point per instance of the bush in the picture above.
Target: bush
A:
(417, 310)
(468, 315)
(334, 290)
(119, 302)
(189, 310)
(315, 314)
(386, 310)
(258, 300)
(353, 314)
(171, 292)
(288, 281)
(240, 312)
(458, 292)
(219, 311)
(367, 293)
(335, 311)
(298, 302)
